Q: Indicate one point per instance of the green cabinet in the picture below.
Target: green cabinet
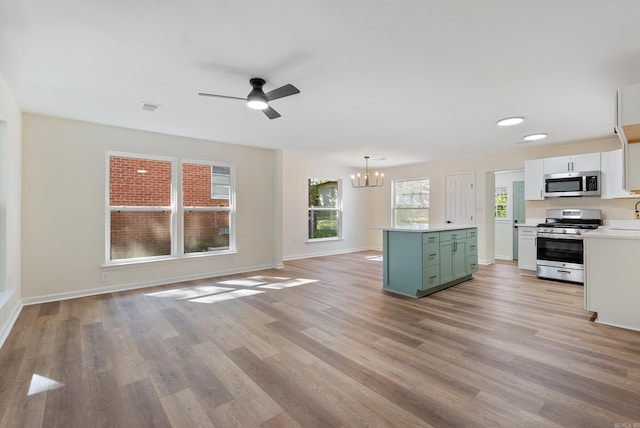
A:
(453, 257)
(418, 263)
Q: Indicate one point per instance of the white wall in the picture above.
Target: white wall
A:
(64, 182)
(356, 202)
(437, 171)
(10, 167)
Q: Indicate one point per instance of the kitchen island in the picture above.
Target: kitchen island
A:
(612, 281)
(418, 262)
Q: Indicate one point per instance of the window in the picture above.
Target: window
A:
(411, 203)
(324, 209)
(149, 216)
(206, 201)
(141, 211)
(501, 203)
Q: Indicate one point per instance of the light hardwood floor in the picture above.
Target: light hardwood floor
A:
(318, 343)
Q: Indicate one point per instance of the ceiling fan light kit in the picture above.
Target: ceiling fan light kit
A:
(258, 100)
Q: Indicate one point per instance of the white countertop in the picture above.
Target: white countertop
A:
(614, 233)
(430, 228)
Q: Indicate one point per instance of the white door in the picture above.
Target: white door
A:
(460, 193)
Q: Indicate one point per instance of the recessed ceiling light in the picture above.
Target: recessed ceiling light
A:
(509, 121)
(535, 137)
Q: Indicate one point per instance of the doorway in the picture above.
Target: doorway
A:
(509, 211)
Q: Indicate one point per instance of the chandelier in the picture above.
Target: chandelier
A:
(357, 182)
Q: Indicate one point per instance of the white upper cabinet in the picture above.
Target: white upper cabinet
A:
(611, 176)
(628, 127)
(533, 180)
(577, 163)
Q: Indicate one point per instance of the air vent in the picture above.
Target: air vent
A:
(149, 106)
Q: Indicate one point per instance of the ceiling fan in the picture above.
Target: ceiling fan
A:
(258, 100)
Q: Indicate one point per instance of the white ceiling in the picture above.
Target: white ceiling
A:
(408, 80)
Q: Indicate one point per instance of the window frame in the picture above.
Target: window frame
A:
(394, 208)
(507, 195)
(230, 209)
(176, 209)
(338, 209)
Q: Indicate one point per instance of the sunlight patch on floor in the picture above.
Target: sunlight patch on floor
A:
(374, 258)
(40, 384)
(233, 288)
(226, 296)
(190, 292)
(288, 283)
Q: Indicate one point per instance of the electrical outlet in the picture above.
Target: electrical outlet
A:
(104, 276)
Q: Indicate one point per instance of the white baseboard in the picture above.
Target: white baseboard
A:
(138, 285)
(10, 308)
(323, 253)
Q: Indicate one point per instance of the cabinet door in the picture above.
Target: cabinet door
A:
(453, 260)
(585, 162)
(527, 248)
(611, 175)
(459, 259)
(633, 167)
(557, 164)
(533, 180)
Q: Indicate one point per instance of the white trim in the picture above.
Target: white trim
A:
(323, 253)
(6, 326)
(138, 285)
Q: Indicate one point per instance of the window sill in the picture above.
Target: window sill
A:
(311, 241)
(137, 263)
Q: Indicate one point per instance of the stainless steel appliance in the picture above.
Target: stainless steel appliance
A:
(559, 245)
(572, 184)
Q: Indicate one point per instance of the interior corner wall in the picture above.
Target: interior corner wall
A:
(10, 152)
(355, 214)
(63, 210)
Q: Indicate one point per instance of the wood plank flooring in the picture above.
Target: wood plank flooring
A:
(319, 343)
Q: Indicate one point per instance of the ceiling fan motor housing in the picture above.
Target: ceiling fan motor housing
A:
(257, 99)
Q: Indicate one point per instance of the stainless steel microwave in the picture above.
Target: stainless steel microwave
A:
(586, 183)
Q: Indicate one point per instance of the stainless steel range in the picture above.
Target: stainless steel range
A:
(559, 245)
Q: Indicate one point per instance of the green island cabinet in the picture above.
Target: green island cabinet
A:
(420, 262)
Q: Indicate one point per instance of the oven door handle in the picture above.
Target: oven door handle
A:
(563, 271)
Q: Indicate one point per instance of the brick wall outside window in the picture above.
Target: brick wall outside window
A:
(132, 188)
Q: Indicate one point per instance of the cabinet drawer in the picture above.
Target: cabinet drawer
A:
(472, 264)
(453, 235)
(472, 233)
(431, 254)
(472, 247)
(430, 277)
(430, 238)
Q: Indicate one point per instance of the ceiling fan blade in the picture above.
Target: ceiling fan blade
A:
(271, 113)
(283, 91)
(220, 96)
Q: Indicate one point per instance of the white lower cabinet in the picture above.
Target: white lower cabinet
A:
(527, 247)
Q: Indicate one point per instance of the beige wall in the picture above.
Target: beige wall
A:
(64, 182)
(296, 172)
(437, 171)
(10, 167)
